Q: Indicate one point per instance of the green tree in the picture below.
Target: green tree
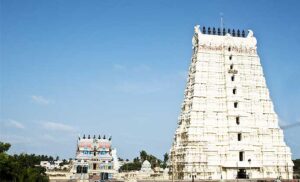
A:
(143, 155)
(136, 160)
(64, 162)
(4, 147)
(297, 168)
(131, 166)
(166, 157)
(21, 168)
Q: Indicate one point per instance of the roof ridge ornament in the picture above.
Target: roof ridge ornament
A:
(250, 33)
(221, 31)
(197, 29)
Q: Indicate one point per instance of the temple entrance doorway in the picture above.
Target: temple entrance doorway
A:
(241, 174)
(104, 176)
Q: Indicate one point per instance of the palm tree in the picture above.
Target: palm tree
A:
(166, 157)
(143, 155)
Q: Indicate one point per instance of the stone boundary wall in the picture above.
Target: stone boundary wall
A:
(236, 180)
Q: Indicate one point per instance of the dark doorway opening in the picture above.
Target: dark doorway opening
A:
(79, 169)
(84, 169)
(242, 174)
(104, 176)
(241, 156)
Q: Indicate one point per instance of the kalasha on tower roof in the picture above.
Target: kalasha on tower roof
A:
(223, 31)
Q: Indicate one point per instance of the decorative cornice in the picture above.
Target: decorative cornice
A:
(217, 43)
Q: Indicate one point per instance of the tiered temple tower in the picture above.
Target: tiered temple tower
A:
(228, 128)
(95, 158)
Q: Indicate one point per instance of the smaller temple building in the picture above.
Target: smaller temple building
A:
(95, 158)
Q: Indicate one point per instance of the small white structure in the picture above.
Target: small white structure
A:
(45, 164)
(95, 158)
(51, 165)
(146, 167)
(57, 163)
(116, 163)
(143, 174)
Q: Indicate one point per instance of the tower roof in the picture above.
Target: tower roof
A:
(203, 37)
(223, 31)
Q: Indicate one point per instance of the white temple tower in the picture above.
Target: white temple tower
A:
(228, 128)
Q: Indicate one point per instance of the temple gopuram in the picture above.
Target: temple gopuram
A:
(95, 159)
(228, 128)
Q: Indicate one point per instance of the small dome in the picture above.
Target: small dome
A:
(146, 167)
(146, 164)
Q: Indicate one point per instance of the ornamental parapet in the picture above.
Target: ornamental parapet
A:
(224, 40)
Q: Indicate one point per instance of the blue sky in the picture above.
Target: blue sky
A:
(119, 68)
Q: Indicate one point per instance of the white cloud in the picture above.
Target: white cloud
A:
(138, 87)
(50, 138)
(15, 124)
(151, 85)
(58, 127)
(40, 100)
(183, 74)
(287, 125)
(141, 68)
(152, 82)
(296, 124)
(282, 122)
(15, 139)
(136, 68)
(119, 67)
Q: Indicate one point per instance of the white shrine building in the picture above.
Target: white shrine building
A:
(95, 159)
(228, 128)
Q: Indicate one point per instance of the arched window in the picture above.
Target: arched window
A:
(239, 136)
(235, 104)
(234, 91)
(230, 57)
(79, 169)
(237, 120)
(232, 78)
(84, 169)
(229, 48)
(231, 66)
(241, 156)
